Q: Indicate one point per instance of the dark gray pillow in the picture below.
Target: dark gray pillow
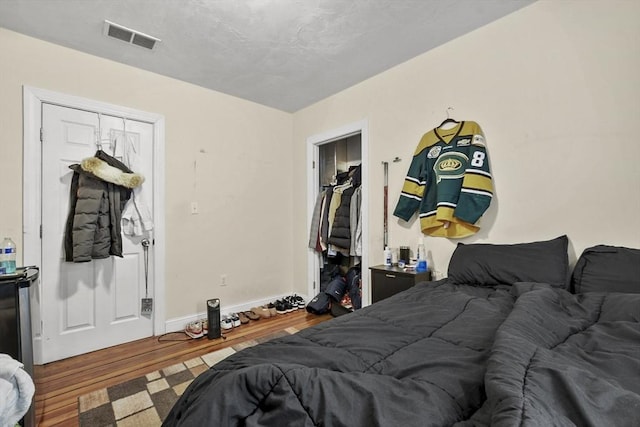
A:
(605, 268)
(490, 265)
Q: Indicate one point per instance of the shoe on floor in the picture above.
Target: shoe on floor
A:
(251, 315)
(292, 302)
(235, 320)
(194, 329)
(243, 318)
(289, 307)
(280, 307)
(299, 301)
(339, 310)
(226, 323)
(272, 308)
(261, 311)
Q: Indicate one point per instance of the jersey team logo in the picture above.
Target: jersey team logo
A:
(434, 152)
(451, 165)
(478, 140)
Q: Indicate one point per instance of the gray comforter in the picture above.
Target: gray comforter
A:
(565, 360)
(439, 355)
(415, 359)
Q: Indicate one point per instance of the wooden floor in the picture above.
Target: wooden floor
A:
(59, 384)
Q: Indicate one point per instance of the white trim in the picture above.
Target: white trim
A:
(313, 144)
(31, 207)
(33, 98)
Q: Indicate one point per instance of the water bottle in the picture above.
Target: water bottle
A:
(421, 267)
(420, 252)
(8, 256)
(387, 256)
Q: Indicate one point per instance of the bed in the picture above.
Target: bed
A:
(563, 359)
(478, 348)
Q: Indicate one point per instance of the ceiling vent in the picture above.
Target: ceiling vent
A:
(130, 36)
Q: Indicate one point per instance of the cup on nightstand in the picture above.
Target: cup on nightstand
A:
(405, 254)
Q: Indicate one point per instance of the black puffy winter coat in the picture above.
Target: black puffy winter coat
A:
(341, 229)
(100, 188)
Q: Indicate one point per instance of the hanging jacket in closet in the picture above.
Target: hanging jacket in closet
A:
(100, 188)
(324, 219)
(336, 217)
(356, 223)
(341, 230)
(314, 232)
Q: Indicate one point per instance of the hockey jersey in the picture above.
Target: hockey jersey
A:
(449, 182)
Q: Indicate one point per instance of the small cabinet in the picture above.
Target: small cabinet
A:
(388, 281)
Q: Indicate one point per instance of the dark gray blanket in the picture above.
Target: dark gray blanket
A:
(565, 360)
(415, 359)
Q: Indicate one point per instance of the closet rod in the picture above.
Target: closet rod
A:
(55, 104)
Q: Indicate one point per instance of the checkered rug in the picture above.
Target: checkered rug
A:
(147, 400)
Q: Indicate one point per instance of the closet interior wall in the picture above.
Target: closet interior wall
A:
(337, 156)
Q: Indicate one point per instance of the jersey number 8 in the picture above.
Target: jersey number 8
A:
(478, 159)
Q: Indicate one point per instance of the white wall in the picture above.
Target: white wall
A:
(242, 151)
(555, 87)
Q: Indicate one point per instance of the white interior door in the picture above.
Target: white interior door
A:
(92, 305)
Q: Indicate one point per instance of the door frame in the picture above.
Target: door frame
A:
(33, 98)
(313, 183)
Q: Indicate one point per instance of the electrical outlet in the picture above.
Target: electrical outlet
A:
(223, 280)
(194, 208)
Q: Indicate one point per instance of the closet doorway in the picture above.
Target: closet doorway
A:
(82, 307)
(329, 154)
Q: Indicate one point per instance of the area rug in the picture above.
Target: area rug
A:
(147, 400)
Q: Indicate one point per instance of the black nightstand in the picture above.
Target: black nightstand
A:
(388, 281)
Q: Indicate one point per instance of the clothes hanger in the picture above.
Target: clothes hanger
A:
(448, 119)
(124, 137)
(99, 136)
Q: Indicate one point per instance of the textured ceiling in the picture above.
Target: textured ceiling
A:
(286, 54)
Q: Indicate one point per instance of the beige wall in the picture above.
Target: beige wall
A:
(555, 87)
(243, 229)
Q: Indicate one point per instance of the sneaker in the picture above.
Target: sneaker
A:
(280, 307)
(235, 320)
(289, 300)
(289, 306)
(194, 329)
(300, 302)
(226, 323)
(297, 301)
(283, 306)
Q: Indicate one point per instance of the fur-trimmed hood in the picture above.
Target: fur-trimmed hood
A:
(102, 170)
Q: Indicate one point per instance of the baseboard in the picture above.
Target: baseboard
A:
(179, 323)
